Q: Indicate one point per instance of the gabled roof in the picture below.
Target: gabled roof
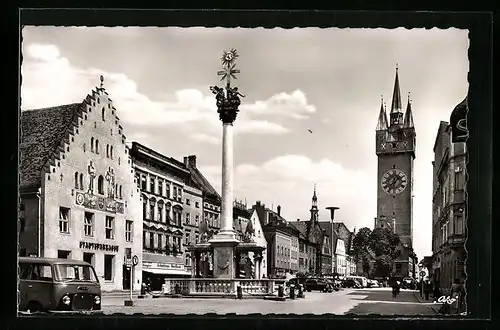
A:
(42, 131)
(203, 183)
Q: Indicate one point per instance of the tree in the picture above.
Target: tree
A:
(360, 244)
(384, 244)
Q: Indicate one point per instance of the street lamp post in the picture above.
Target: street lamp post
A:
(332, 217)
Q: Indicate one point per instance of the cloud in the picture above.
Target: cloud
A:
(49, 79)
(200, 137)
(296, 174)
(294, 105)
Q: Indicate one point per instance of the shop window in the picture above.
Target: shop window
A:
(108, 267)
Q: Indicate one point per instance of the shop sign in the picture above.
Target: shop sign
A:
(162, 265)
(98, 246)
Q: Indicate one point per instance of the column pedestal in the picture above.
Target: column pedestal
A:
(224, 259)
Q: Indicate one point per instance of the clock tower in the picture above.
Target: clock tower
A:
(395, 149)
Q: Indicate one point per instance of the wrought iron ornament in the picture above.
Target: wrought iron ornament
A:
(227, 103)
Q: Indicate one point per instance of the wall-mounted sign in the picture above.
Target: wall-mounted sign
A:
(458, 123)
(149, 264)
(98, 246)
(100, 203)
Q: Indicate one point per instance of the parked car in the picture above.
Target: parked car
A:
(408, 283)
(351, 283)
(319, 284)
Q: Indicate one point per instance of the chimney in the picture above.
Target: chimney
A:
(257, 203)
(192, 160)
(298, 220)
(278, 209)
(185, 161)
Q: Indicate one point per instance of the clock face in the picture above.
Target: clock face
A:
(394, 181)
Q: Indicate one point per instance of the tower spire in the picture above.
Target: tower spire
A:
(314, 198)
(382, 117)
(408, 122)
(396, 95)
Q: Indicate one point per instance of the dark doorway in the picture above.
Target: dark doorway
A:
(126, 277)
(88, 257)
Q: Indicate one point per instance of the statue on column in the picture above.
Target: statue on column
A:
(227, 105)
(92, 175)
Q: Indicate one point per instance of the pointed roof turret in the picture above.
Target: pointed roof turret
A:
(382, 123)
(408, 122)
(396, 95)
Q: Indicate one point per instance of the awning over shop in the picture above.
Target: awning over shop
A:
(159, 271)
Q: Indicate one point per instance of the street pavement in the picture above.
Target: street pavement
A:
(357, 301)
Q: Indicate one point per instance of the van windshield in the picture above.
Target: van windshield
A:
(70, 273)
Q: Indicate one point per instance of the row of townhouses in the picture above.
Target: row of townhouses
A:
(88, 194)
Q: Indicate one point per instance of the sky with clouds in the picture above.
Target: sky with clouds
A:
(329, 81)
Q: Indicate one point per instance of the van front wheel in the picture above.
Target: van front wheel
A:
(34, 307)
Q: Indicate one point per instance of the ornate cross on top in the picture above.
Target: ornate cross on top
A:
(228, 58)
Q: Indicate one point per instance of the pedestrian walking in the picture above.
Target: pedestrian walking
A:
(395, 288)
(421, 287)
(427, 288)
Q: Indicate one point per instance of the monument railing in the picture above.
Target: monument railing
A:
(223, 287)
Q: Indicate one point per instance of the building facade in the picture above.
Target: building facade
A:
(193, 213)
(449, 204)
(260, 239)
(395, 150)
(314, 237)
(78, 199)
(162, 183)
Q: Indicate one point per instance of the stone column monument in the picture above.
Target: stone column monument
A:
(228, 101)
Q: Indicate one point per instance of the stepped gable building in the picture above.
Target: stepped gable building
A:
(78, 199)
(395, 149)
(449, 202)
(162, 183)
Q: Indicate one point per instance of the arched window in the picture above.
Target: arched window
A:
(102, 114)
(76, 180)
(107, 150)
(111, 152)
(97, 146)
(92, 144)
(100, 185)
(81, 181)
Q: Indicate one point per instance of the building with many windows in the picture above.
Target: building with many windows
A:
(449, 204)
(162, 183)
(78, 199)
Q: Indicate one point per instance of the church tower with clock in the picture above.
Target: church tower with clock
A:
(395, 149)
